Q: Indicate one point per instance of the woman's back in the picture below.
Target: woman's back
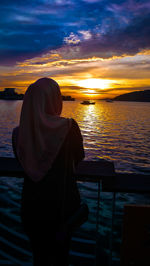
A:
(58, 184)
(48, 147)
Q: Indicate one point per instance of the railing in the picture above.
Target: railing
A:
(104, 174)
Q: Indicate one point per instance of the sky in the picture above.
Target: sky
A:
(93, 48)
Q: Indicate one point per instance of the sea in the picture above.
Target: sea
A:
(115, 131)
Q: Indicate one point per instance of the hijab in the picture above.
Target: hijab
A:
(42, 130)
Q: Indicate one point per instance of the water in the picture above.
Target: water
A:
(118, 131)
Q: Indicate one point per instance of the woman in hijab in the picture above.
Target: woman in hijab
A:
(48, 147)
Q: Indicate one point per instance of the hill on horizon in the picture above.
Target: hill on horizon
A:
(136, 96)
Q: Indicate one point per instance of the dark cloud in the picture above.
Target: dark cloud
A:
(26, 42)
(30, 28)
(131, 40)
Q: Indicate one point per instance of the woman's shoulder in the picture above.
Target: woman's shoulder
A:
(75, 131)
(15, 132)
(74, 124)
(76, 142)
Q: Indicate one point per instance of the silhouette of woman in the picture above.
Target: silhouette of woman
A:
(48, 147)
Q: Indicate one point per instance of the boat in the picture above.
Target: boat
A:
(87, 102)
(109, 100)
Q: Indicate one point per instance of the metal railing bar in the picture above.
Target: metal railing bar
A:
(112, 226)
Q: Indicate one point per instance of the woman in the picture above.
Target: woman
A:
(48, 147)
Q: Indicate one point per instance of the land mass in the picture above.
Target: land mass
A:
(10, 94)
(67, 98)
(136, 96)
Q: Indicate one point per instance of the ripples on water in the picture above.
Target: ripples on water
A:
(118, 131)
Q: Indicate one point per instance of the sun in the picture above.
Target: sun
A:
(94, 83)
(90, 91)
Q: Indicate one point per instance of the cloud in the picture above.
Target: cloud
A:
(85, 34)
(84, 28)
(72, 39)
(28, 42)
(130, 41)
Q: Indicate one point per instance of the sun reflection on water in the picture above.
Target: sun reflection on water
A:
(117, 131)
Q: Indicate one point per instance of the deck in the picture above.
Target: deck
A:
(101, 172)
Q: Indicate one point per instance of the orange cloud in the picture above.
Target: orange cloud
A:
(84, 77)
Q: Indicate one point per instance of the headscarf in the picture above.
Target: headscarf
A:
(41, 131)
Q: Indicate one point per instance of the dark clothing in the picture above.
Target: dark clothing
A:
(49, 202)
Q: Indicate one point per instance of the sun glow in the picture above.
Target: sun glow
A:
(94, 83)
(89, 91)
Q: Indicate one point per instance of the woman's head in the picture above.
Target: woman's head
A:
(45, 95)
(42, 130)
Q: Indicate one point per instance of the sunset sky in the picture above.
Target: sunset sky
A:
(92, 48)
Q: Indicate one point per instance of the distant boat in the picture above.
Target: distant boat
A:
(87, 102)
(109, 100)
